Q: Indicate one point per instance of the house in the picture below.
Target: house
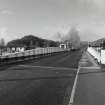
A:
(65, 45)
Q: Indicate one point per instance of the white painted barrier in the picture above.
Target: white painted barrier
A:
(98, 54)
(102, 56)
(36, 51)
(94, 53)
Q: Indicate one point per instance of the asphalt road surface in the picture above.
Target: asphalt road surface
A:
(45, 81)
(91, 84)
(90, 88)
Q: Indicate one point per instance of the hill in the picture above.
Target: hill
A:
(31, 41)
(99, 42)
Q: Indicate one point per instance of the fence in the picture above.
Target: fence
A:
(30, 54)
(98, 54)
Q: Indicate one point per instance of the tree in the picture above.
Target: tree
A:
(2, 45)
(74, 38)
(103, 44)
(59, 36)
(2, 42)
(31, 42)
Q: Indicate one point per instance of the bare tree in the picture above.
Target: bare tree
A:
(2, 45)
(74, 37)
(59, 36)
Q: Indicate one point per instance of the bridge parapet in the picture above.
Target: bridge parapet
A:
(32, 53)
(98, 54)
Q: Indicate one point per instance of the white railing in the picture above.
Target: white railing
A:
(37, 51)
(98, 54)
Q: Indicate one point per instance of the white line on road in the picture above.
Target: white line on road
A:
(91, 67)
(74, 88)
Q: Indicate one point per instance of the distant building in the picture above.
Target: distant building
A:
(20, 49)
(15, 48)
(62, 45)
(65, 45)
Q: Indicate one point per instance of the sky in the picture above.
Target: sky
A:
(47, 18)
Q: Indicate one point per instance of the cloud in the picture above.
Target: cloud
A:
(6, 12)
(99, 3)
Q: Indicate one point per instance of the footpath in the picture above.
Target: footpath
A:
(90, 87)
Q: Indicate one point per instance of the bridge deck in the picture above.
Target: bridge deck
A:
(90, 88)
(45, 81)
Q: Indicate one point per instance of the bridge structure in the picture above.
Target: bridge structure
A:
(30, 54)
(51, 77)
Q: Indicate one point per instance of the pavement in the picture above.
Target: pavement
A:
(90, 88)
(43, 81)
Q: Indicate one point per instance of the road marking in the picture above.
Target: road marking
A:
(91, 67)
(75, 82)
(74, 88)
(48, 67)
(76, 78)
